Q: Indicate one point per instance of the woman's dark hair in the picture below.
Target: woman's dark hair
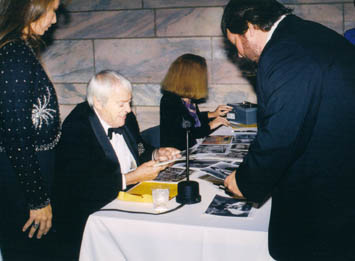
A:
(16, 15)
(261, 13)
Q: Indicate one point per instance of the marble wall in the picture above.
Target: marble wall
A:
(140, 38)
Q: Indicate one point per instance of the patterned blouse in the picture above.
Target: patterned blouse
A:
(29, 118)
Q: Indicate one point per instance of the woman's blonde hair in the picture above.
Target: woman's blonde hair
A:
(187, 77)
(16, 15)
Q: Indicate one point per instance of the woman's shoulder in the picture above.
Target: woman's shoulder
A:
(17, 52)
(15, 46)
(169, 97)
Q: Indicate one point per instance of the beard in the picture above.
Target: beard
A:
(251, 51)
(248, 64)
(247, 67)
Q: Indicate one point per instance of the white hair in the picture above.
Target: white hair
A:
(102, 85)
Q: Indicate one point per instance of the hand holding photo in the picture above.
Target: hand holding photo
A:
(161, 163)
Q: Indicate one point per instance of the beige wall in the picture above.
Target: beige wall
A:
(140, 38)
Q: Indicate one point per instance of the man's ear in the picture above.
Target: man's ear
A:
(231, 37)
(251, 31)
(97, 104)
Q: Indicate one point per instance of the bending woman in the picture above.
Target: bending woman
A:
(183, 86)
(29, 130)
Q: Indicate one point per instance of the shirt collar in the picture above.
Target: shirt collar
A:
(273, 28)
(103, 123)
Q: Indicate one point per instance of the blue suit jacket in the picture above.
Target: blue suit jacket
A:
(304, 152)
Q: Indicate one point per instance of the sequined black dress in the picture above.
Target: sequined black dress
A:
(29, 131)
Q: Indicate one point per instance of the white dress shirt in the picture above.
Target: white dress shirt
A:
(123, 153)
(273, 28)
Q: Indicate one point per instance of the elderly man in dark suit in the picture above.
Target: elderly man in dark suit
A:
(100, 153)
(303, 155)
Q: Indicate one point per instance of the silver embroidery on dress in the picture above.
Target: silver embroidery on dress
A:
(49, 146)
(43, 147)
(40, 113)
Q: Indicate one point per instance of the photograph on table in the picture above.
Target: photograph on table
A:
(232, 155)
(243, 138)
(240, 146)
(231, 207)
(235, 162)
(211, 149)
(217, 140)
(196, 164)
(172, 174)
(220, 170)
(245, 131)
(213, 180)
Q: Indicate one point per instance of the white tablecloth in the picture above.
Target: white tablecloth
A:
(186, 234)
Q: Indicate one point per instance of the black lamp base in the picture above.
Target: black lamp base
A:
(188, 192)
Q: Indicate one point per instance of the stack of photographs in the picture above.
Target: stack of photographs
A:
(197, 164)
(217, 156)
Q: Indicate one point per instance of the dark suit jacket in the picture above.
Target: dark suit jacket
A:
(304, 152)
(172, 113)
(88, 174)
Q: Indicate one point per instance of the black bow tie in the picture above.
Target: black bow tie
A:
(115, 130)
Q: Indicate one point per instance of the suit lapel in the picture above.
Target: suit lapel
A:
(131, 143)
(102, 138)
(105, 143)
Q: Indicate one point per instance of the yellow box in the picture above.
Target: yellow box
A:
(142, 192)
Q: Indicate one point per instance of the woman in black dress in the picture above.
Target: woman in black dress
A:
(29, 129)
(183, 87)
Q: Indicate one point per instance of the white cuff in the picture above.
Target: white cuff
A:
(154, 154)
(124, 184)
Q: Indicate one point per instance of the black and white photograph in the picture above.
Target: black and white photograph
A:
(212, 149)
(233, 155)
(243, 138)
(231, 207)
(220, 170)
(213, 180)
(240, 146)
(216, 172)
(172, 174)
(196, 164)
(250, 136)
(246, 131)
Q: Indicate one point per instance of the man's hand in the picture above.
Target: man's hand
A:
(41, 220)
(231, 184)
(146, 171)
(164, 154)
